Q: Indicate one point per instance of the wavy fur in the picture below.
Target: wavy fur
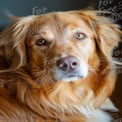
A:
(30, 96)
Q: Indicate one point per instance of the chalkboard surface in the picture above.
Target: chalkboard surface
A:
(34, 7)
(29, 7)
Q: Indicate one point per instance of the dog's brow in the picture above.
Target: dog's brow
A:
(79, 28)
(74, 28)
(47, 34)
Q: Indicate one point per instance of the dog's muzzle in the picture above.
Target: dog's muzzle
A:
(70, 69)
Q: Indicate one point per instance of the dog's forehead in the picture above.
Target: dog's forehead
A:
(62, 20)
(58, 22)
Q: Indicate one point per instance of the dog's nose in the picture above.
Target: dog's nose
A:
(68, 63)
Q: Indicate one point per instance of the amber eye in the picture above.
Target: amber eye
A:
(41, 42)
(80, 36)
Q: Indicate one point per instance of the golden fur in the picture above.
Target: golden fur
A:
(30, 92)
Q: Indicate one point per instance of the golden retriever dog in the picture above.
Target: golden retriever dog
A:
(58, 67)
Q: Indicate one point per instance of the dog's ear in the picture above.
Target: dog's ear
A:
(107, 34)
(12, 43)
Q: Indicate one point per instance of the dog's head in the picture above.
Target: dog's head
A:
(63, 45)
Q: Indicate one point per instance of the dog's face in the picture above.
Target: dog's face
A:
(61, 47)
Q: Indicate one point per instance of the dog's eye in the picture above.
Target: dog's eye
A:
(80, 36)
(41, 42)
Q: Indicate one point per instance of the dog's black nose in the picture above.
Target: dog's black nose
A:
(68, 63)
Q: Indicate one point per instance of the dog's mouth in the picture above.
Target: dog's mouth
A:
(70, 76)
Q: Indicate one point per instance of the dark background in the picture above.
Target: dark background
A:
(36, 7)
(27, 7)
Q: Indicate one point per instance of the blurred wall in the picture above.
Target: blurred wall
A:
(29, 7)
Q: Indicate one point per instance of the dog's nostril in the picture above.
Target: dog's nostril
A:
(63, 66)
(74, 63)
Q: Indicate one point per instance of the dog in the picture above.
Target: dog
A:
(58, 67)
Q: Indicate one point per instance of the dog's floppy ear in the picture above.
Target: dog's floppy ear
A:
(107, 34)
(12, 45)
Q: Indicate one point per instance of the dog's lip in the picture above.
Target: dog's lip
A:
(72, 76)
